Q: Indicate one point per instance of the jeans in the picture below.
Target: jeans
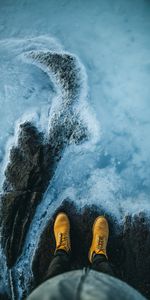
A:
(62, 260)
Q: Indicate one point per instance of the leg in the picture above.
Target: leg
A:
(59, 264)
(101, 264)
(97, 253)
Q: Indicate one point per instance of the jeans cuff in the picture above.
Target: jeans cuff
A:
(61, 252)
(99, 258)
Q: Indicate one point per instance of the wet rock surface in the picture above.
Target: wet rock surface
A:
(27, 169)
(27, 177)
(17, 210)
(136, 242)
(65, 68)
(128, 246)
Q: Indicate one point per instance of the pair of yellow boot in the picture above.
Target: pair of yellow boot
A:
(100, 235)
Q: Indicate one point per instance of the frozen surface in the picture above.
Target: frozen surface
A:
(112, 41)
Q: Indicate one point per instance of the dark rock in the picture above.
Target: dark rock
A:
(27, 170)
(27, 177)
(30, 168)
(17, 211)
(128, 247)
(4, 297)
(4, 294)
(63, 66)
(136, 241)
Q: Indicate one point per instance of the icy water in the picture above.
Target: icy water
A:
(112, 42)
(111, 39)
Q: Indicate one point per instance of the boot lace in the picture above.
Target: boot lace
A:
(100, 243)
(64, 241)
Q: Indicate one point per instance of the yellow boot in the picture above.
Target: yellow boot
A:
(62, 232)
(100, 237)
